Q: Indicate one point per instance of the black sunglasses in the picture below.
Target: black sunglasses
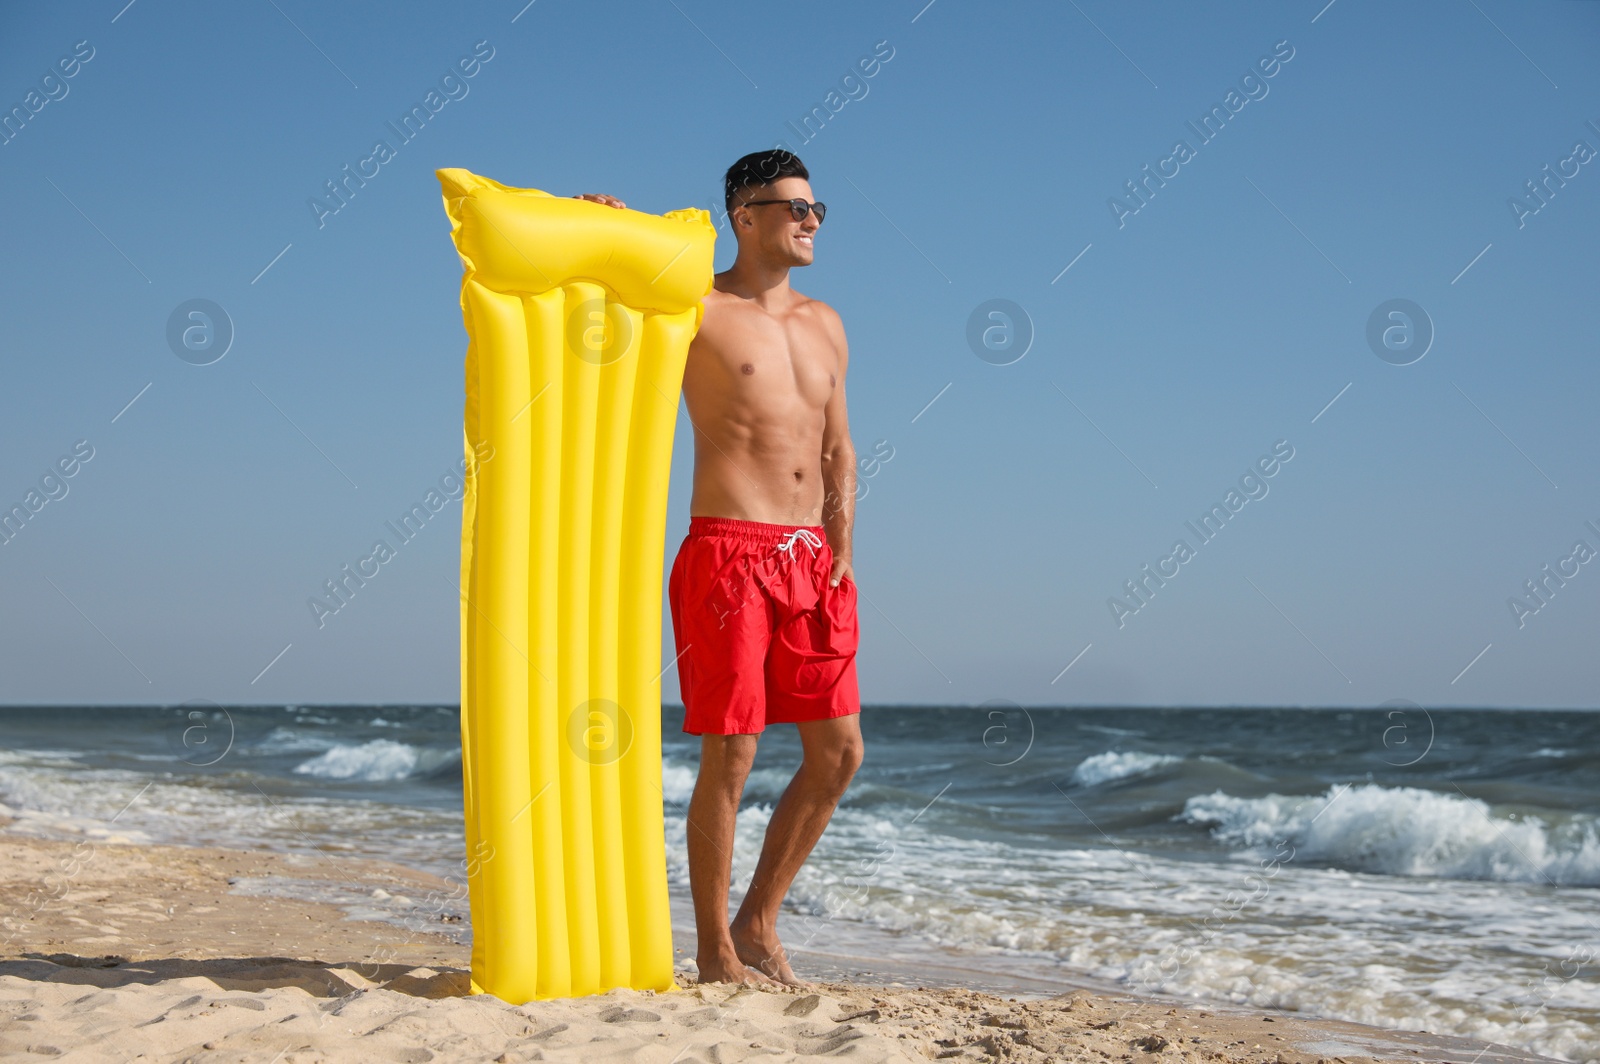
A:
(797, 207)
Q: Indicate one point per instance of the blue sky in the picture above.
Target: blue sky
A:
(1171, 347)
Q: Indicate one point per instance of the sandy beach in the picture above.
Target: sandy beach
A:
(147, 953)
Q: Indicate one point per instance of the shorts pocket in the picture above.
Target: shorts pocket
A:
(841, 632)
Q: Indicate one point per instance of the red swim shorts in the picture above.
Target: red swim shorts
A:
(761, 636)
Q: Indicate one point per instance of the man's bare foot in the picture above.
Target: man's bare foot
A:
(730, 969)
(765, 954)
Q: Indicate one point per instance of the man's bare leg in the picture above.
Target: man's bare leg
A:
(724, 766)
(832, 755)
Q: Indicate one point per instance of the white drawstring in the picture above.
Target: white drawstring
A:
(806, 536)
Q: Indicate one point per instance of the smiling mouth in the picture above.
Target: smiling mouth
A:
(804, 239)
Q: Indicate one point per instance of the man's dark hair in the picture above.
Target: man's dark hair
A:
(758, 169)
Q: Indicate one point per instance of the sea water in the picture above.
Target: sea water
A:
(1419, 869)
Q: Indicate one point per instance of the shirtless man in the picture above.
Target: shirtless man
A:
(762, 591)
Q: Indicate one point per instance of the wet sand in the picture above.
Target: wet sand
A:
(145, 953)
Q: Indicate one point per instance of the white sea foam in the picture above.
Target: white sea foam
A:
(1408, 831)
(115, 805)
(677, 781)
(762, 785)
(1117, 765)
(66, 759)
(1365, 942)
(287, 740)
(1106, 729)
(377, 760)
(442, 911)
(1324, 941)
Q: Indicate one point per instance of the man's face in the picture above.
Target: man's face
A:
(772, 231)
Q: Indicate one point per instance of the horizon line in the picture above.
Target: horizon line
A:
(868, 705)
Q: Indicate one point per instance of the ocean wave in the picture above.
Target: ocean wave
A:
(34, 807)
(1408, 831)
(762, 785)
(44, 758)
(677, 781)
(377, 760)
(1117, 765)
(286, 740)
(1306, 942)
(1106, 729)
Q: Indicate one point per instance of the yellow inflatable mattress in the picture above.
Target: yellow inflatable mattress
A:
(579, 318)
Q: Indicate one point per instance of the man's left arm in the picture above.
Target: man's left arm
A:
(838, 463)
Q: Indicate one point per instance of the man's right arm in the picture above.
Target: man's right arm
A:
(838, 462)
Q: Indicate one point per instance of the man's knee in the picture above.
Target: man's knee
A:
(725, 762)
(835, 763)
(850, 754)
